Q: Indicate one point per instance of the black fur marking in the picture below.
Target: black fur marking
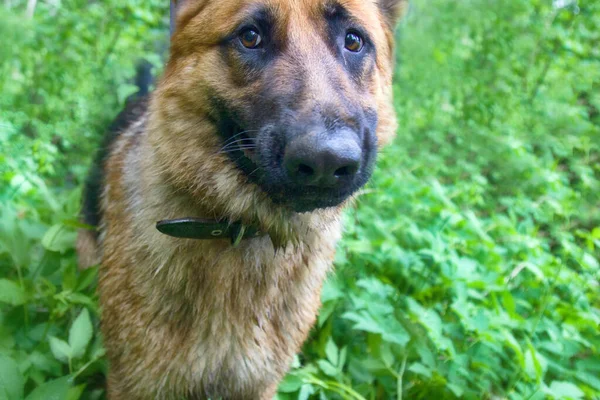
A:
(135, 107)
(92, 193)
(143, 80)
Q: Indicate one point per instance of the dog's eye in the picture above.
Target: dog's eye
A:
(250, 38)
(354, 42)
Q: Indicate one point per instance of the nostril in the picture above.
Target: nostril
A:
(305, 170)
(346, 170)
(341, 172)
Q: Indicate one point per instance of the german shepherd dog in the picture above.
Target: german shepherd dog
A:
(266, 122)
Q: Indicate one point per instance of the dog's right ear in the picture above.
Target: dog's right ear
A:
(393, 10)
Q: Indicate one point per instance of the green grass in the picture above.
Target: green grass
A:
(469, 268)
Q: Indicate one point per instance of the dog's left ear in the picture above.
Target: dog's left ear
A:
(392, 10)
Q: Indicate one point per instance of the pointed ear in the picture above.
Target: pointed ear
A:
(392, 10)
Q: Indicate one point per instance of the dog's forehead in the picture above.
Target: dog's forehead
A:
(306, 4)
(202, 24)
(364, 10)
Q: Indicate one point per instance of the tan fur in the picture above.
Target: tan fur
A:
(191, 319)
(87, 249)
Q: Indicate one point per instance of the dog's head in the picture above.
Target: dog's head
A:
(294, 95)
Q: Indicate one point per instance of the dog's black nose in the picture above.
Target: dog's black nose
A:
(323, 160)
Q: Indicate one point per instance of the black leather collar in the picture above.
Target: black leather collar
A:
(205, 229)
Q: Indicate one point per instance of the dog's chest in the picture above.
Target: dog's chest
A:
(249, 319)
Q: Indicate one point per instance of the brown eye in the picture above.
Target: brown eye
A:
(250, 38)
(354, 42)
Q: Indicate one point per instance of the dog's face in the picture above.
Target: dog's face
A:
(295, 94)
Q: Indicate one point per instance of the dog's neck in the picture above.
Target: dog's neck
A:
(217, 190)
(282, 227)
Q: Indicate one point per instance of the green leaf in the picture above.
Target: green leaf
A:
(535, 363)
(11, 293)
(78, 298)
(457, 390)
(53, 390)
(399, 336)
(75, 392)
(290, 384)
(390, 329)
(343, 356)
(327, 368)
(59, 239)
(387, 356)
(590, 262)
(80, 334)
(86, 278)
(364, 322)
(325, 312)
(331, 291)
(306, 392)
(565, 390)
(509, 304)
(420, 369)
(61, 349)
(11, 380)
(331, 351)
(590, 380)
(514, 345)
(45, 362)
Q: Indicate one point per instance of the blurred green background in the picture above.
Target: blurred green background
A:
(470, 267)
